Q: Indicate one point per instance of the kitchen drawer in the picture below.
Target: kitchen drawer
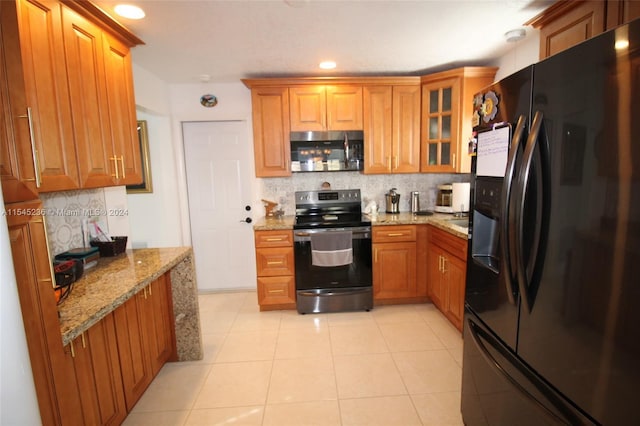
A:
(276, 290)
(274, 238)
(455, 245)
(275, 261)
(391, 234)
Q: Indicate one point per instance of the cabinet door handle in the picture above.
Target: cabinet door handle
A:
(389, 159)
(454, 161)
(275, 262)
(73, 351)
(276, 291)
(444, 265)
(115, 166)
(397, 162)
(375, 255)
(84, 342)
(124, 174)
(34, 151)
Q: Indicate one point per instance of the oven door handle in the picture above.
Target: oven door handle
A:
(308, 234)
(329, 293)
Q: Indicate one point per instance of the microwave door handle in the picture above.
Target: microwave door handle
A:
(507, 231)
(346, 150)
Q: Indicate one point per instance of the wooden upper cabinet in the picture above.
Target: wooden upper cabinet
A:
(447, 109)
(122, 111)
(318, 107)
(378, 132)
(621, 11)
(344, 107)
(70, 77)
(46, 91)
(17, 165)
(272, 149)
(308, 106)
(87, 84)
(440, 134)
(391, 128)
(406, 129)
(567, 23)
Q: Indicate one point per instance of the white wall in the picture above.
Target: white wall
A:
(18, 403)
(155, 218)
(524, 53)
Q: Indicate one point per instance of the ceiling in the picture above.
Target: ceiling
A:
(230, 40)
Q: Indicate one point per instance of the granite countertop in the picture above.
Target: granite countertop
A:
(111, 283)
(439, 220)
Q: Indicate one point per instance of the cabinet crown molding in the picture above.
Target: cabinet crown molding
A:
(298, 81)
(96, 14)
(552, 13)
(465, 72)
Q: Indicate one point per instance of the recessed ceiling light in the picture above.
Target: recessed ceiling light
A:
(327, 65)
(129, 11)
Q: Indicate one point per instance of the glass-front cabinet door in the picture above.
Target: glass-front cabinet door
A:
(439, 125)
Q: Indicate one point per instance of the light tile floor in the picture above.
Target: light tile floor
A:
(396, 365)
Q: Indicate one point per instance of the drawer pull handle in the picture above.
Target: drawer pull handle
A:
(275, 262)
(396, 234)
(276, 291)
(274, 239)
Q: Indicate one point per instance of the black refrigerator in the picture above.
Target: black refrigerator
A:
(551, 328)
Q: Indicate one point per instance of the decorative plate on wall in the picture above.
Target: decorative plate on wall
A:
(208, 101)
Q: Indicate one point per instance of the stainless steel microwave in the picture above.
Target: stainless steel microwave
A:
(331, 151)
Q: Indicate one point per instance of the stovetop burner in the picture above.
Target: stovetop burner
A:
(329, 209)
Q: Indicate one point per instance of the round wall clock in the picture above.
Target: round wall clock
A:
(208, 101)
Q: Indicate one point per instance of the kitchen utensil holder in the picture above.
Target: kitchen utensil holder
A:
(111, 248)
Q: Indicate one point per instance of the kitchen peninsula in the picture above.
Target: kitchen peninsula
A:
(115, 280)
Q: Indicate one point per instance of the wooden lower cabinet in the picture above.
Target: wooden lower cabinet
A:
(158, 314)
(395, 270)
(97, 368)
(276, 270)
(446, 269)
(53, 371)
(145, 338)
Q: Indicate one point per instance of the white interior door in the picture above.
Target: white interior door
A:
(218, 167)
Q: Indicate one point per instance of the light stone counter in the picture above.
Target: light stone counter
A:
(273, 223)
(439, 220)
(114, 280)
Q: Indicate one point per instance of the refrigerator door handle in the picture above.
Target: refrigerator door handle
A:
(525, 269)
(507, 233)
(478, 335)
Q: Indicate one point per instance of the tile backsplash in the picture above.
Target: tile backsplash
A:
(65, 212)
(372, 187)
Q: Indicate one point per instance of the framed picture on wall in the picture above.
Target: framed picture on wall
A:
(146, 186)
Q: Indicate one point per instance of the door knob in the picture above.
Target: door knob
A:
(248, 220)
